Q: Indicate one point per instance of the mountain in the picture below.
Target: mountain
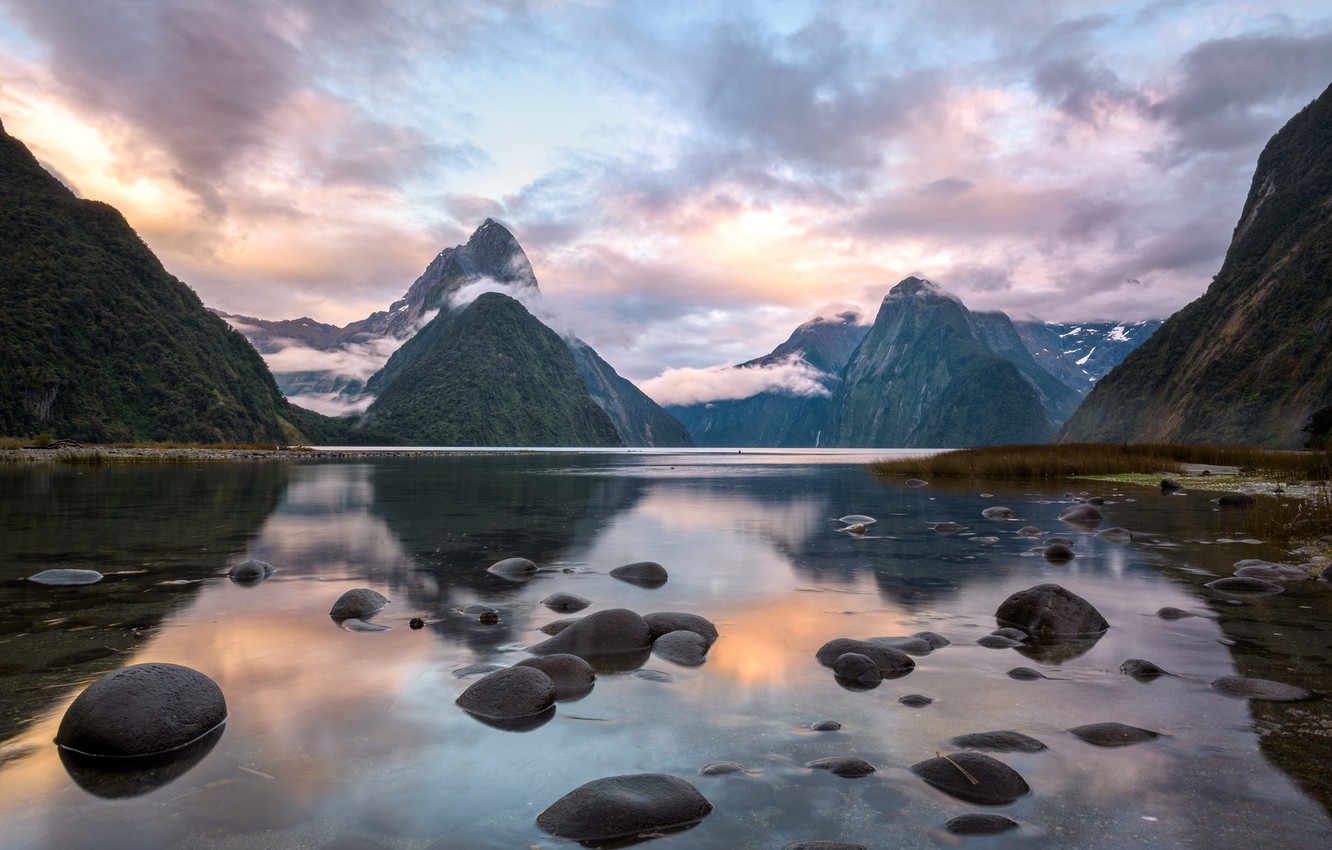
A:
(639, 420)
(1081, 354)
(486, 374)
(925, 377)
(780, 418)
(1250, 360)
(99, 343)
(998, 333)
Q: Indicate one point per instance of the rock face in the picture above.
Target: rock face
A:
(1207, 375)
(1050, 612)
(358, 604)
(509, 693)
(619, 806)
(142, 710)
(166, 369)
(973, 777)
(614, 631)
(639, 420)
(1080, 355)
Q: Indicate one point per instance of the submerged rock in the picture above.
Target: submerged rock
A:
(1141, 669)
(915, 700)
(1011, 633)
(1259, 689)
(997, 642)
(142, 710)
(825, 726)
(647, 574)
(1024, 674)
(621, 806)
(572, 676)
(847, 767)
(1236, 500)
(937, 641)
(1115, 535)
(682, 647)
(722, 768)
(554, 627)
(1244, 584)
(565, 602)
(66, 577)
(947, 527)
(510, 693)
(1080, 516)
(513, 569)
(1058, 553)
(251, 572)
(916, 482)
(614, 631)
(1049, 611)
(1169, 485)
(973, 777)
(857, 668)
(1029, 531)
(1112, 734)
(892, 663)
(664, 622)
(1172, 613)
(910, 645)
(358, 603)
(997, 512)
(999, 741)
(977, 824)
(825, 845)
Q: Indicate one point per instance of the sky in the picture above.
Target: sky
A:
(691, 181)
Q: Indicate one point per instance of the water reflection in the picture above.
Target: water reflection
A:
(345, 736)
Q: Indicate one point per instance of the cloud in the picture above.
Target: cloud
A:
(332, 404)
(355, 361)
(699, 386)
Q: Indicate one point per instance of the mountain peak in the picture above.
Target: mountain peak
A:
(916, 286)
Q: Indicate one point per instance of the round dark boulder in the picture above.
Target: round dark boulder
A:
(1112, 734)
(513, 569)
(997, 512)
(1080, 516)
(619, 806)
(565, 602)
(358, 603)
(892, 663)
(976, 824)
(847, 767)
(1049, 611)
(1172, 613)
(1115, 535)
(1141, 669)
(664, 622)
(1058, 553)
(1259, 689)
(1244, 584)
(682, 647)
(642, 573)
(859, 669)
(142, 710)
(999, 741)
(936, 641)
(614, 631)
(66, 577)
(573, 677)
(915, 700)
(509, 693)
(997, 642)
(973, 777)
(1236, 500)
(251, 572)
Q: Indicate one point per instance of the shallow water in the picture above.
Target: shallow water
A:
(339, 739)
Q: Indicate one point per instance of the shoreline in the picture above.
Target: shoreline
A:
(106, 454)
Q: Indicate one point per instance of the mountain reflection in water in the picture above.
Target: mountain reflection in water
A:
(338, 736)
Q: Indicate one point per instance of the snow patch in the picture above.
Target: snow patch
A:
(1117, 334)
(1086, 357)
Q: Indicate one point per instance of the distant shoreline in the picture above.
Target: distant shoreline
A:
(103, 454)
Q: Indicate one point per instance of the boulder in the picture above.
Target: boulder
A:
(915, 700)
(977, 824)
(1172, 613)
(1141, 669)
(142, 710)
(358, 603)
(621, 806)
(565, 602)
(1049, 611)
(847, 767)
(642, 573)
(250, 572)
(663, 622)
(1058, 553)
(997, 512)
(1259, 689)
(1244, 584)
(1112, 734)
(858, 669)
(682, 647)
(66, 577)
(1025, 674)
(892, 663)
(614, 631)
(573, 677)
(1029, 531)
(509, 693)
(513, 569)
(973, 777)
(554, 627)
(936, 641)
(999, 741)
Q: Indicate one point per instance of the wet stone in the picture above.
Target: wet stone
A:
(823, 845)
(509, 693)
(997, 642)
(1024, 674)
(1058, 553)
(999, 741)
(847, 767)
(857, 668)
(973, 777)
(565, 602)
(978, 824)
(647, 574)
(910, 645)
(947, 527)
(997, 512)
(1115, 535)
(682, 647)
(1236, 500)
(620, 806)
(664, 622)
(611, 632)
(1049, 611)
(1244, 584)
(1141, 669)
(1171, 613)
(1029, 531)
(892, 663)
(722, 768)
(141, 710)
(825, 726)
(937, 641)
(514, 569)
(1112, 734)
(915, 700)
(1259, 689)
(66, 577)
(554, 627)
(573, 677)
(358, 603)
(1011, 633)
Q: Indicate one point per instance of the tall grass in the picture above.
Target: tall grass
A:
(1047, 462)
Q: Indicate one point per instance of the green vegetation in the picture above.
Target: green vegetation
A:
(1053, 462)
(99, 343)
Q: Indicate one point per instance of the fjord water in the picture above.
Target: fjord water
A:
(340, 739)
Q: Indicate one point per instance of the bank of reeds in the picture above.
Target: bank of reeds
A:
(1048, 462)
